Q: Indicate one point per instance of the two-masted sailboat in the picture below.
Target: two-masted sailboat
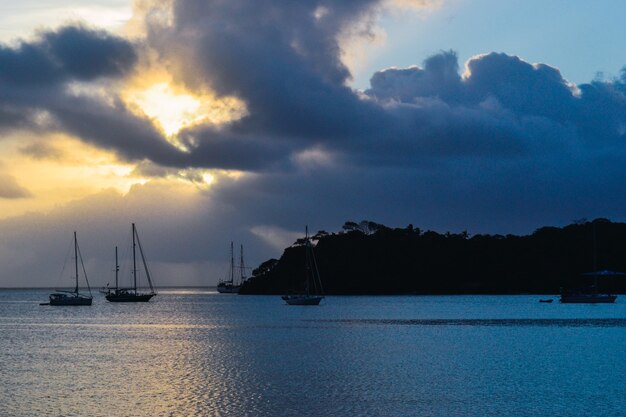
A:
(131, 295)
(73, 298)
(313, 292)
(229, 285)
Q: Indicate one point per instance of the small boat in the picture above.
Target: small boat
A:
(590, 295)
(228, 285)
(72, 298)
(546, 300)
(302, 299)
(131, 295)
(313, 292)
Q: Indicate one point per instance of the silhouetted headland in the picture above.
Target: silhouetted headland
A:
(370, 258)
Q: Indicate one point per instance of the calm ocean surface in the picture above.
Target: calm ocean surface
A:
(196, 352)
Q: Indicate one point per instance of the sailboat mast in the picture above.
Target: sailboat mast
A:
(76, 261)
(307, 260)
(232, 264)
(134, 262)
(595, 256)
(241, 266)
(117, 270)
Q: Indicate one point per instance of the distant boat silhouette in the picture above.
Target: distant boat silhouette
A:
(313, 291)
(131, 295)
(546, 300)
(590, 295)
(228, 285)
(73, 298)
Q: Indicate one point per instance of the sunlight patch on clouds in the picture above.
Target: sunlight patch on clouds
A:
(312, 158)
(157, 13)
(173, 108)
(56, 169)
(320, 12)
(95, 90)
(201, 179)
(170, 110)
(275, 236)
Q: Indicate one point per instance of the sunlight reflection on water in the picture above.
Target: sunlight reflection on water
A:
(193, 352)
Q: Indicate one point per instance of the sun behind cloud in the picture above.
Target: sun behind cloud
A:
(173, 108)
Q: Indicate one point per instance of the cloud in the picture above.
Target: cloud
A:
(501, 145)
(186, 236)
(53, 84)
(42, 150)
(70, 53)
(283, 61)
(277, 237)
(10, 189)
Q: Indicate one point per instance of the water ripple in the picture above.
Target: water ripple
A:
(484, 322)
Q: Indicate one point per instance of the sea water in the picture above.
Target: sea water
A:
(196, 352)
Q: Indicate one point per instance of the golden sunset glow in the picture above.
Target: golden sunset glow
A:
(173, 108)
(71, 171)
(171, 111)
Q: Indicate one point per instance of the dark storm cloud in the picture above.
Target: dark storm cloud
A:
(507, 145)
(71, 53)
(35, 91)
(529, 105)
(283, 60)
(86, 54)
(112, 126)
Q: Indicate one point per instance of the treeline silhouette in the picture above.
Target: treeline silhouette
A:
(370, 258)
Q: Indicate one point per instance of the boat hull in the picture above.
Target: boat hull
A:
(129, 298)
(70, 300)
(228, 289)
(588, 299)
(302, 300)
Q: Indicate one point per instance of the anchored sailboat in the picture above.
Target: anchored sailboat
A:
(131, 295)
(228, 285)
(313, 291)
(73, 298)
(591, 295)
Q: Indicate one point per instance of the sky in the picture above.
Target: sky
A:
(206, 122)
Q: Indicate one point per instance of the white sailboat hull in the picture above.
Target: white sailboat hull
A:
(70, 300)
(302, 299)
(228, 289)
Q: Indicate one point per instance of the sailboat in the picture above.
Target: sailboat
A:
(312, 294)
(73, 298)
(131, 295)
(228, 286)
(591, 295)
